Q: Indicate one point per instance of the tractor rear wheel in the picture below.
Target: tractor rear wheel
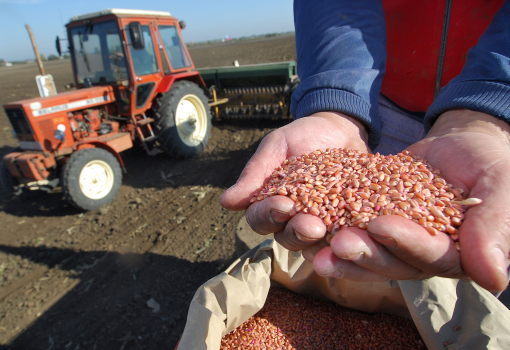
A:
(183, 119)
(91, 178)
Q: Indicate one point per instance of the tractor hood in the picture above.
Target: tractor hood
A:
(65, 102)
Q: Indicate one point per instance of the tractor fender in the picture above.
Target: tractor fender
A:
(169, 80)
(106, 147)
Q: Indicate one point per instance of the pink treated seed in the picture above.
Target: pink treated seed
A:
(323, 182)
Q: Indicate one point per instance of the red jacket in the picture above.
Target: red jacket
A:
(414, 30)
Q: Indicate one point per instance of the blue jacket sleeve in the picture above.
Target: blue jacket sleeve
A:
(341, 57)
(484, 83)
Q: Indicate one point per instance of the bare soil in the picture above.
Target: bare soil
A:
(88, 280)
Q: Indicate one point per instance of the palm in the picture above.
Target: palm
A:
(480, 165)
(295, 139)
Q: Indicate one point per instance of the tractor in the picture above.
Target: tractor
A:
(135, 83)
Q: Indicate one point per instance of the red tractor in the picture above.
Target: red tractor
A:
(135, 83)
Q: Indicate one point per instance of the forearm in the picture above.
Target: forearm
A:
(341, 54)
(354, 131)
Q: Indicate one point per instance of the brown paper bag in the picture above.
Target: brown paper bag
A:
(436, 305)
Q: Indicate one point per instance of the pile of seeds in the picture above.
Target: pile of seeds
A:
(349, 188)
(291, 321)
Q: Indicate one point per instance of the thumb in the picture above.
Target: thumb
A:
(484, 235)
(271, 152)
(485, 244)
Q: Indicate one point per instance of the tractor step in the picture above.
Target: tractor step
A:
(144, 121)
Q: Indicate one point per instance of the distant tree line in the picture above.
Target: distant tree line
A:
(238, 39)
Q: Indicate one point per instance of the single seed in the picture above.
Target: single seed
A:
(355, 206)
(375, 187)
(449, 211)
(364, 195)
(368, 204)
(318, 200)
(469, 201)
(431, 230)
(456, 221)
(404, 205)
(458, 192)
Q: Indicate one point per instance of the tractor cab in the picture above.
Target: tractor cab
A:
(133, 51)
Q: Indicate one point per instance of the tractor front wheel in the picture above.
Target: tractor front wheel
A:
(91, 178)
(183, 119)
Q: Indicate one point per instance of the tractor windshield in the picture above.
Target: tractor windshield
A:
(97, 53)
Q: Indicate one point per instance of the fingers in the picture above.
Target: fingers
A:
(309, 253)
(327, 264)
(391, 248)
(412, 244)
(301, 232)
(356, 245)
(270, 215)
(271, 152)
(353, 254)
(277, 215)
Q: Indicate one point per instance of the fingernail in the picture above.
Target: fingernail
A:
(303, 238)
(358, 257)
(279, 217)
(500, 259)
(333, 274)
(386, 241)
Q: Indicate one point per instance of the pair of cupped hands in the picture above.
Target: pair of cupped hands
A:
(471, 149)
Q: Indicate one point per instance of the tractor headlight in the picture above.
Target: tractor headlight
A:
(60, 132)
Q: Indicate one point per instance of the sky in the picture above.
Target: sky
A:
(205, 20)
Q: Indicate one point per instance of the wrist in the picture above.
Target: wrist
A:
(351, 126)
(465, 120)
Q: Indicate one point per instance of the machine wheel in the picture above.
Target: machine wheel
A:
(183, 119)
(91, 178)
(7, 182)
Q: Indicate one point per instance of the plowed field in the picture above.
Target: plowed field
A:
(89, 280)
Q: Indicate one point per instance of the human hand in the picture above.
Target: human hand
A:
(472, 151)
(275, 214)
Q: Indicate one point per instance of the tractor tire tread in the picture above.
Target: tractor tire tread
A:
(165, 121)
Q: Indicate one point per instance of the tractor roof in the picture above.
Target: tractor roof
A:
(121, 12)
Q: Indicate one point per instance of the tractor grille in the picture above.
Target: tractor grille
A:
(18, 121)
